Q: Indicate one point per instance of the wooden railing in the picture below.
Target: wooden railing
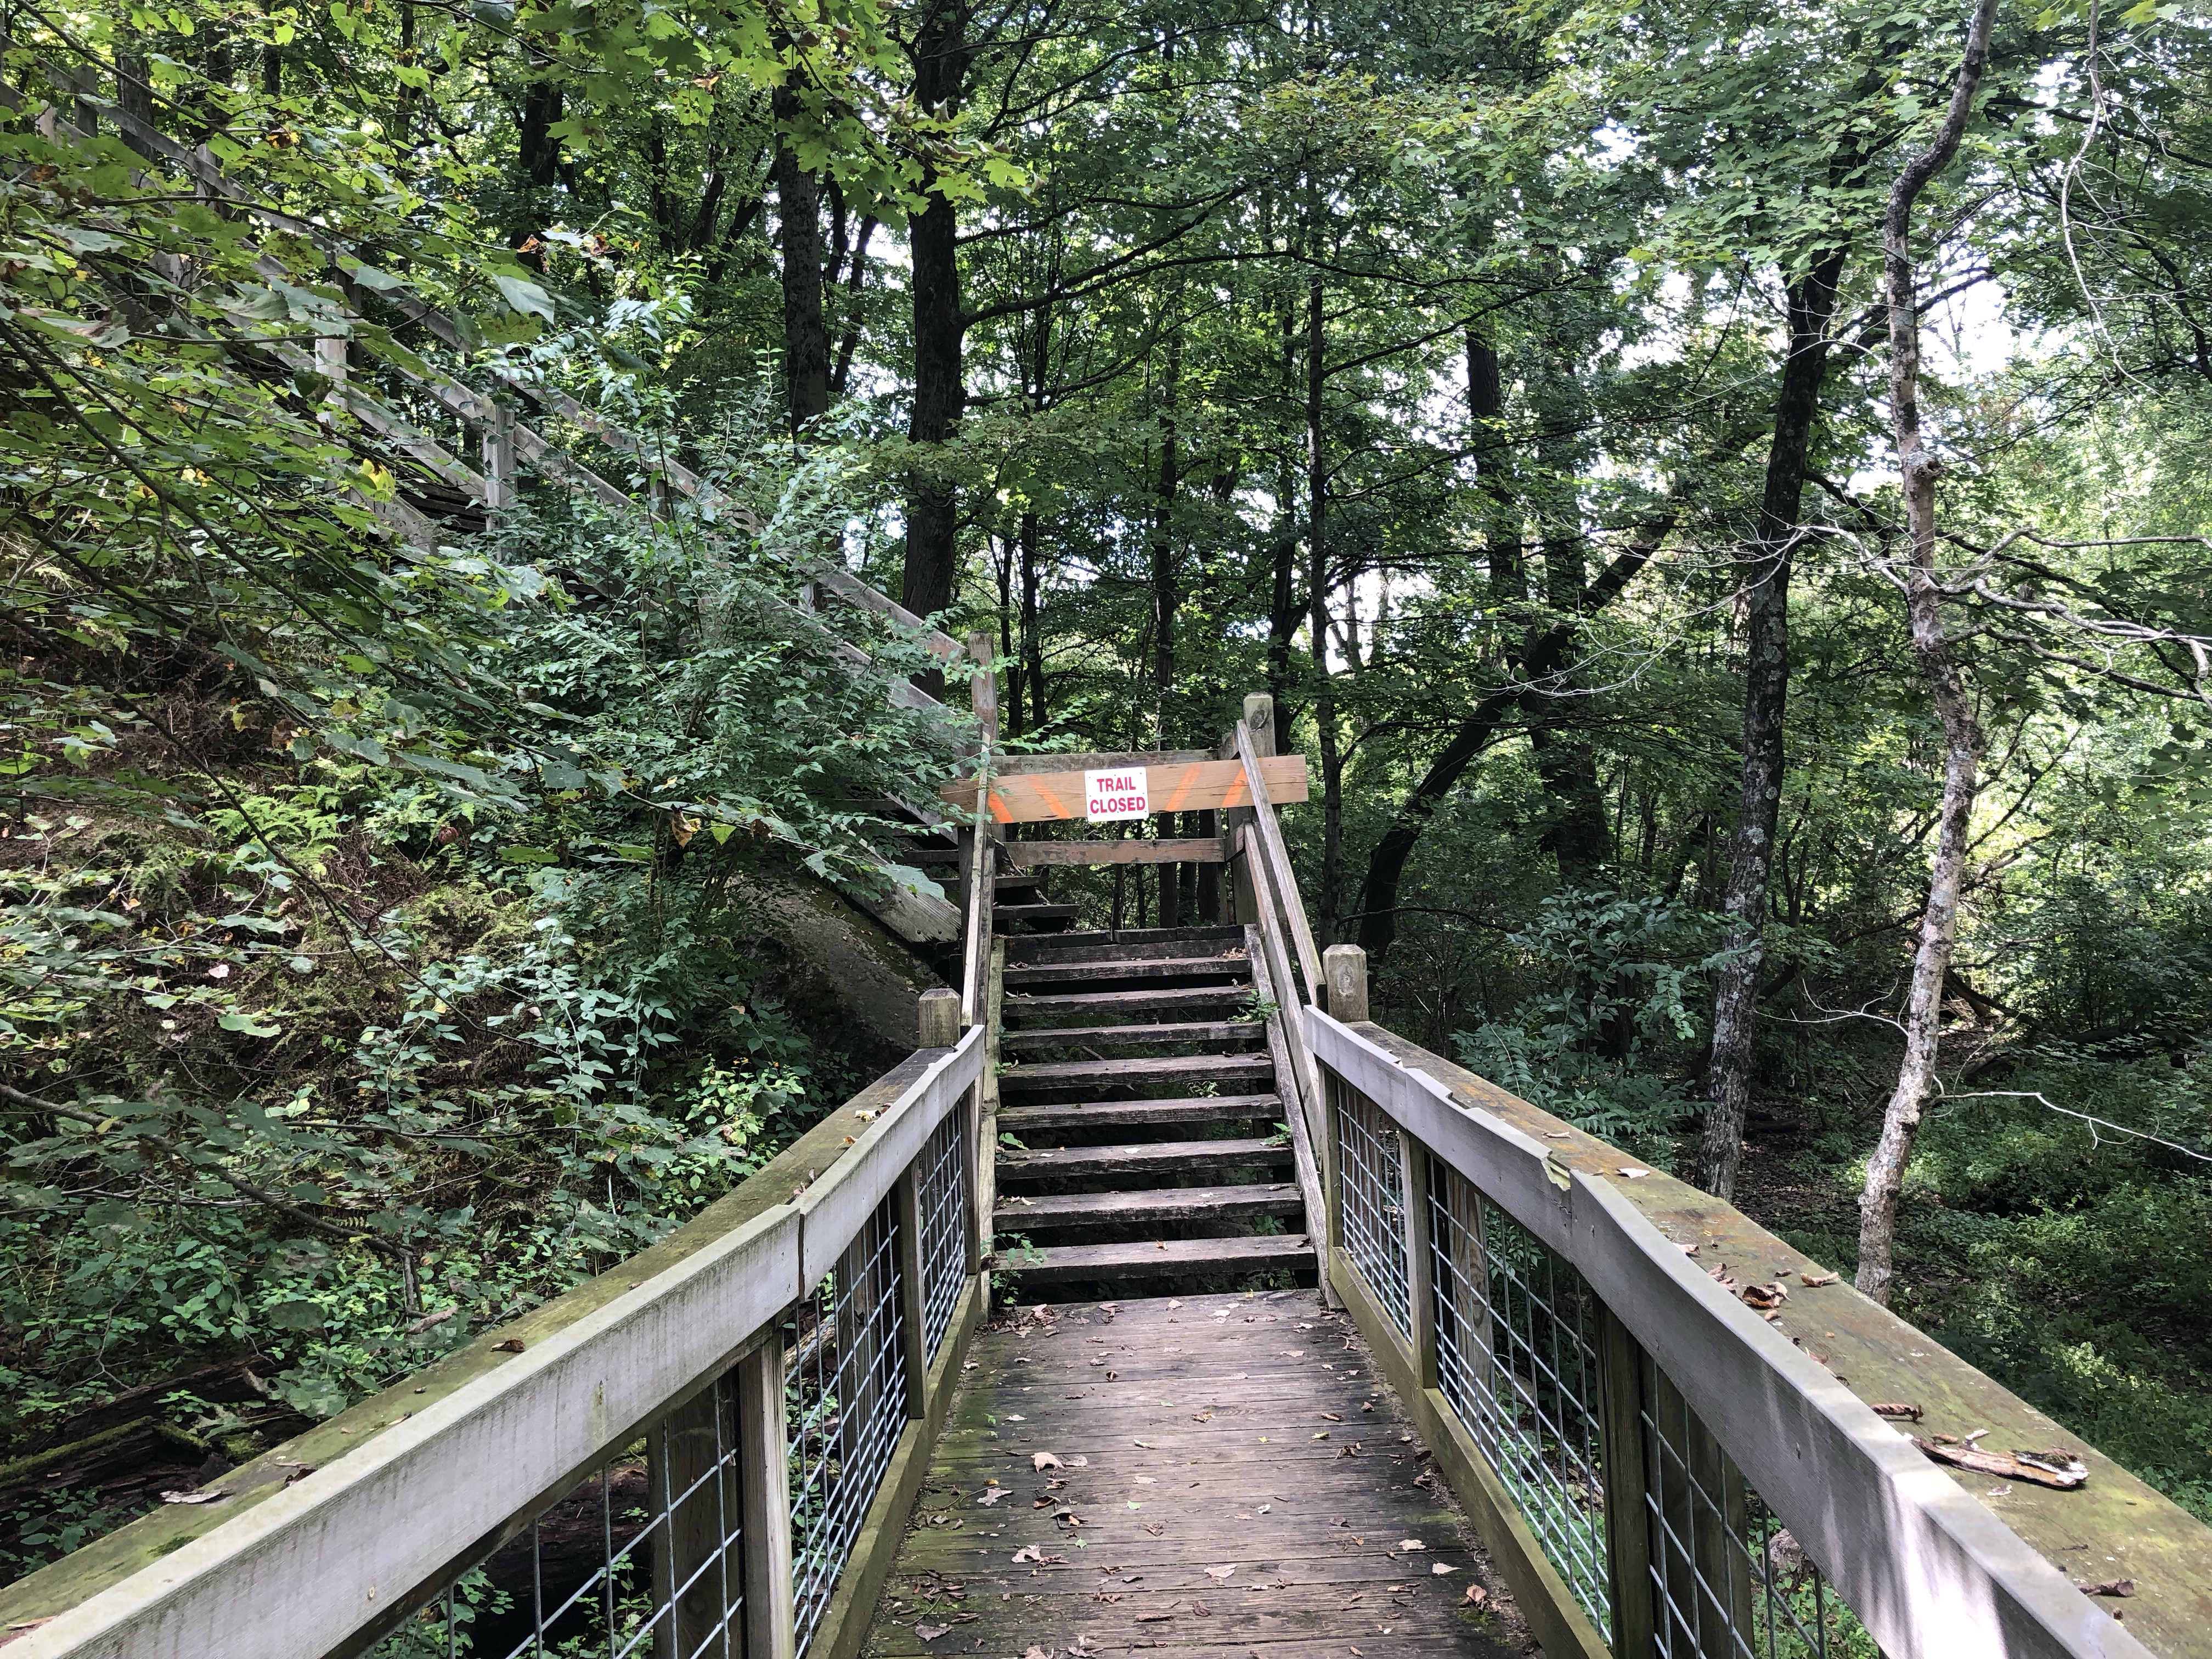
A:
(710, 1449)
(1678, 1436)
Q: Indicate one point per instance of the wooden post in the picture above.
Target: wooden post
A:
(686, 1447)
(914, 1343)
(330, 362)
(1344, 970)
(983, 689)
(1260, 721)
(763, 1471)
(937, 1018)
(499, 458)
(1627, 1519)
(1421, 1299)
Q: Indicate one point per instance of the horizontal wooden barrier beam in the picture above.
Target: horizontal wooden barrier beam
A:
(1180, 787)
(1033, 854)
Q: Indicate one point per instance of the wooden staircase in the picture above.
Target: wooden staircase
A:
(1142, 1094)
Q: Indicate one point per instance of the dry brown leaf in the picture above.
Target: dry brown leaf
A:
(1812, 1278)
(194, 1497)
(1409, 1544)
(513, 1345)
(1475, 1596)
(1041, 1461)
(2110, 1587)
(930, 1632)
(1901, 1408)
(1219, 1573)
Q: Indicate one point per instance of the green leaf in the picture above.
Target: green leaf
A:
(525, 296)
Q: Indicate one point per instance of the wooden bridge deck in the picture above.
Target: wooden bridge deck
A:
(1217, 1475)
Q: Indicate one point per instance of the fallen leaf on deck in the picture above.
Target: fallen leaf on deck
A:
(2110, 1587)
(513, 1345)
(1028, 1552)
(1041, 1461)
(1443, 1567)
(1765, 1296)
(1016, 1417)
(1146, 1444)
(1221, 1572)
(194, 1497)
(1409, 1544)
(1152, 1617)
(1475, 1596)
(1811, 1278)
(1897, 1409)
(930, 1632)
(988, 1498)
(2061, 1470)
(1634, 1175)
(1146, 1480)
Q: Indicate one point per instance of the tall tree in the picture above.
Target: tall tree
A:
(1939, 667)
(1811, 307)
(805, 334)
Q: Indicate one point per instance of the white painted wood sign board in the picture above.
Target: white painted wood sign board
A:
(1124, 792)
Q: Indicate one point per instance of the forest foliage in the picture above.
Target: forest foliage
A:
(1502, 387)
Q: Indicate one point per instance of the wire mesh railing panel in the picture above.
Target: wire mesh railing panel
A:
(1727, 1580)
(1372, 1205)
(944, 1207)
(643, 1556)
(1516, 1356)
(846, 1399)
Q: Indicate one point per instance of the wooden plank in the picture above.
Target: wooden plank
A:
(1155, 1257)
(1037, 854)
(1095, 945)
(1110, 1036)
(1142, 1205)
(1040, 973)
(1139, 1069)
(1183, 787)
(1145, 1158)
(1082, 1003)
(1126, 1114)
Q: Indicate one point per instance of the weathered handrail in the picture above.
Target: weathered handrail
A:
(1659, 1468)
(841, 1275)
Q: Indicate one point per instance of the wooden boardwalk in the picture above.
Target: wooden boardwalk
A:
(1220, 1475)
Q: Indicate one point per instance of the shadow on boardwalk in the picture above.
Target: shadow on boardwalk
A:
(1214, 1475)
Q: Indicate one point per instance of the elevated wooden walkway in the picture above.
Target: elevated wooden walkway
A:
(1210, 1475)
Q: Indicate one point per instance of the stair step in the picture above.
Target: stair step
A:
(1143, 1157)
(1147, 1204)
(1033, 912)
(1013, 884)
(1159, 1070)
(1061, 973)
(1292, 1251)
(1125, 1114)
(1131, 944)
(1109, 1036)
(1083, 1004)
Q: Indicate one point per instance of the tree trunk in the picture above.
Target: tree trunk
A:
(1812, 304)
(941, 72)
(805, 337)
(1166, 597)
(1931, 648)
(1317, 591)
(1032, 644)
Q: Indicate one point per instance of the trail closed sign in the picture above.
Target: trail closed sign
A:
(1121, 794)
